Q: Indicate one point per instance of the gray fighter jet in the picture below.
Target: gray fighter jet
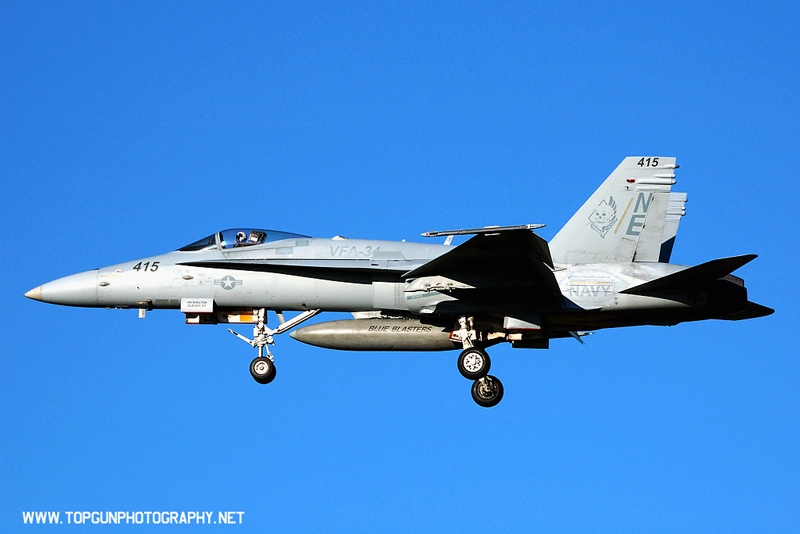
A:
(607, 267)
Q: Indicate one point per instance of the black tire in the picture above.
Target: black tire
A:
(263, 370)
(474, 363)
(487, 391)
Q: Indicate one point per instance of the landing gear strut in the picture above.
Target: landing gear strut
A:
(474, 363)
(262, 368)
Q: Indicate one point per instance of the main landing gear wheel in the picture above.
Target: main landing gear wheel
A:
(487, 391)
(473, 363)
(263, 370)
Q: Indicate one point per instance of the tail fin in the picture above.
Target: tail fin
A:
(626, 218)
(675, 211)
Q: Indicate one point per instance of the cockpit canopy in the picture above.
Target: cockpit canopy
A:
(239, 237)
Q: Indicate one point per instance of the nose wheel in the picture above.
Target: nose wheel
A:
(263, 370)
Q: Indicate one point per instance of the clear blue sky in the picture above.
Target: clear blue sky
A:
(130, 130)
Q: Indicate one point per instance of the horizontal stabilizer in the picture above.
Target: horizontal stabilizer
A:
(704, 272)
(752, 311)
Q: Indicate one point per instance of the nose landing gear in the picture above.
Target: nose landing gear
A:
(262, 368)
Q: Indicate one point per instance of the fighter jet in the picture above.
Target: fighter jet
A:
(608, 267)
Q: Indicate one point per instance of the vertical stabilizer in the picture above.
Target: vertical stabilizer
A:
(675, 211)
(624, 220)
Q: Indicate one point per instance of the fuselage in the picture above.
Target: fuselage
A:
(351, 275)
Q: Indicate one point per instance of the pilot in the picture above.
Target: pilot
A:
(241, 239)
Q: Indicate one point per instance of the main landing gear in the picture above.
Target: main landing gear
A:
(262, 368)
(474, 363)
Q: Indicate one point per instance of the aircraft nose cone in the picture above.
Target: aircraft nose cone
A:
(75, 290)
(35, 293)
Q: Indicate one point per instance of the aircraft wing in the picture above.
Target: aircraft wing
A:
(505, 259)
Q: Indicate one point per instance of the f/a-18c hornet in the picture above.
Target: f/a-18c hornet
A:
(608, 267)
